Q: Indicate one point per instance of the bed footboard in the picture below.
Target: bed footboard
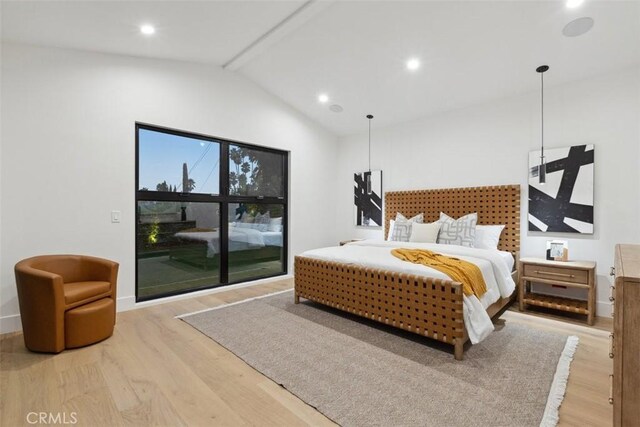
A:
(425, 306)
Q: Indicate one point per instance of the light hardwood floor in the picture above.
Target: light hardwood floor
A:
(157, 370)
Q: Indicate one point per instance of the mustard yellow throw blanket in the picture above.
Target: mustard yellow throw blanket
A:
(461, 271)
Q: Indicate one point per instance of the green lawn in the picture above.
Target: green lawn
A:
(160, 275)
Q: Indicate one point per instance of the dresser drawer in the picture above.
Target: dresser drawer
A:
(554, 273)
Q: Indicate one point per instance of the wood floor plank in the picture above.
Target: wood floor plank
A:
(294, 404)
(157, 370)
(187, 392)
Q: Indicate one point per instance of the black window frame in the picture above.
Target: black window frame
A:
(224, 199)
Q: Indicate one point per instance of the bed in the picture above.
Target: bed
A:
(202, 247)
(363, 279)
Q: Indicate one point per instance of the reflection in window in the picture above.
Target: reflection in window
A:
(255, 172)
(178, 246)
(182, 188)
(177, 164)
(256, 240)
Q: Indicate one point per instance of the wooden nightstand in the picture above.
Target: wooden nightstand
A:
(572, 274)
(344, 242)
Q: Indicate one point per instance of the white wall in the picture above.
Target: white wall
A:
(489, 145)
(68, 151)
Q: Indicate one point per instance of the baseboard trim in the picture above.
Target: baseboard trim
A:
(11, 323)
(603, 309)
(130, 303)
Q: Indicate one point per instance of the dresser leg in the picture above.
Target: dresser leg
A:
(296, 299)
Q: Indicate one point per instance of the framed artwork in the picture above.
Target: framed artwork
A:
(367, 207)
(564, 204)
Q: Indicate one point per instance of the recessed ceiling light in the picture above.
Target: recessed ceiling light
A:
(572, 4)
(578, 27)
(323, 98)
(413, 64)
(147, 29)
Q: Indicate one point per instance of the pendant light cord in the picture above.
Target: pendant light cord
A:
(369, 145)
(369, 116)
(542, 116)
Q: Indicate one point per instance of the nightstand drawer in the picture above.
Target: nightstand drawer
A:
(556, 273)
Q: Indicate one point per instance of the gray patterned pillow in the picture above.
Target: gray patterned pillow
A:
(402, 227)
(461, 231)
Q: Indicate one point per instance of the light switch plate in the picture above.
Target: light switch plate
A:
(115, 216)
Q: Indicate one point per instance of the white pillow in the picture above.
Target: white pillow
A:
(488, 236)
(461, 231)
(425, 233)
(391, 224)
(402, 227)
(275, 224)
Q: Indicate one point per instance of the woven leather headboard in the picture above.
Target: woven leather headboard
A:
(495, 205)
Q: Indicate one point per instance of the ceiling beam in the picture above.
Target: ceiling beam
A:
(306, 11)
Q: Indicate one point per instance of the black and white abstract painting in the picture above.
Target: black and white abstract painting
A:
(368, 207)
(564, 204)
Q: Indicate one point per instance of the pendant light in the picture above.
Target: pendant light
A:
(542, 169)
(368, 175)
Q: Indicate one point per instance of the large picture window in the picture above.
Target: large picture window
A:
(210, 212)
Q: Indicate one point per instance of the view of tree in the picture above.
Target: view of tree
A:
(253, 172)
(163, 186)
(191, 185)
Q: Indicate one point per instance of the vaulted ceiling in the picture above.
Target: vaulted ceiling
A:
(354, 51)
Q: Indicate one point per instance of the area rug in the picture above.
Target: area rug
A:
(359, 373)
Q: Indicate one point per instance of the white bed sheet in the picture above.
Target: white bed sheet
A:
(494, 265)
(240, 239)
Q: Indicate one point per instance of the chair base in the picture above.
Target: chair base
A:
(89, 324)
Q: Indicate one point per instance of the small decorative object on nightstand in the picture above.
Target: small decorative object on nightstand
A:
(344, 242)
(558, 250)
(571, 274)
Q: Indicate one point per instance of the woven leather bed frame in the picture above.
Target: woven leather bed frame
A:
(426, 306)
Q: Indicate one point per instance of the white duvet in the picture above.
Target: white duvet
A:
(495, 266)
(239, 239)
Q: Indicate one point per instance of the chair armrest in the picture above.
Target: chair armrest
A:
(103, 270)
(34, 283)
(29, 276)
(41, 299)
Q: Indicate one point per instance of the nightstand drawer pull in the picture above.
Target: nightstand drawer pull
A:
(550, 273)
(611, 346)
(611, 389)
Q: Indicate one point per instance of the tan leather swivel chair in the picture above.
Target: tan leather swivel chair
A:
(66, 301)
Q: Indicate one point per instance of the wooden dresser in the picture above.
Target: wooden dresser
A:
(625, 347)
